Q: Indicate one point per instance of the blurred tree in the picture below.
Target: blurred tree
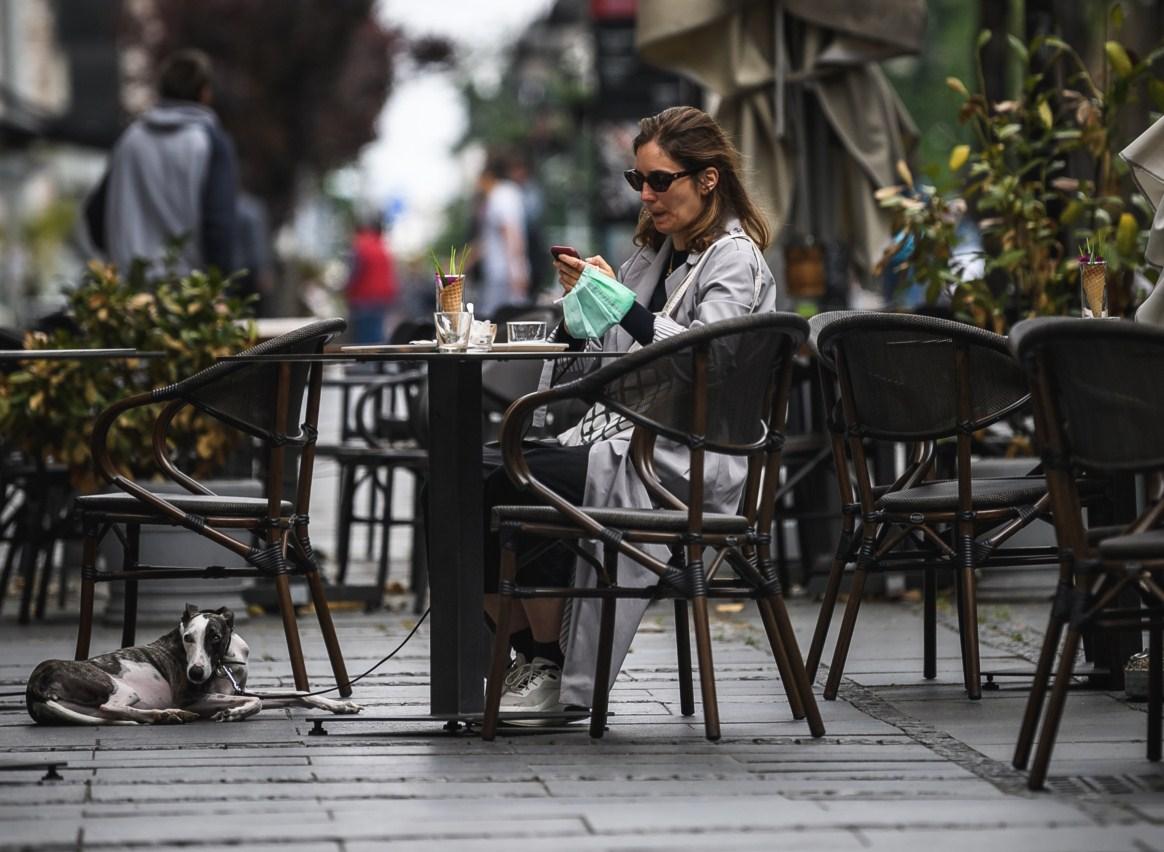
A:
(300, 83)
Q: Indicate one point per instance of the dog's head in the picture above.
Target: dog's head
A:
(206, 638)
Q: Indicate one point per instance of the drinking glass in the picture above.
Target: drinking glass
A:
(481, 336)
(1093, 288)
(525, 331)
(452, 330)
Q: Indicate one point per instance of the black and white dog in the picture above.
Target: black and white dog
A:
(196, 671)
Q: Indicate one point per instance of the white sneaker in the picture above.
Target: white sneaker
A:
(518, 672)
(537, 689)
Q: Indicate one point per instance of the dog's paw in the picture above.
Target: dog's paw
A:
(174, 717)
(345, 707)
(232, 714)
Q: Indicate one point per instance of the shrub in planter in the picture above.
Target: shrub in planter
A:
(1041, 178)
(47, 408)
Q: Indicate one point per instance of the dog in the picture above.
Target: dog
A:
(196, 671)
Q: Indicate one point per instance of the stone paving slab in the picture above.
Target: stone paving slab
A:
(907, 764)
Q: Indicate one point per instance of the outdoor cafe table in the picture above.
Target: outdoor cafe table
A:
(459, 646)
(33, 505)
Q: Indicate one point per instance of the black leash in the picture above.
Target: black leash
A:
(351, 681)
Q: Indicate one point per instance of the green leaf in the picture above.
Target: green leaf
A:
(1118, 58)
(1116, 16)
(1020, 49)
(983, 38)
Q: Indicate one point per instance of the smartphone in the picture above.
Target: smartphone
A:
(558, 251)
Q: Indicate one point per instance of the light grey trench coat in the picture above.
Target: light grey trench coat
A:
(733, 280)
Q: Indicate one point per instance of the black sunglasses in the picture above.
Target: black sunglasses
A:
(658, 181)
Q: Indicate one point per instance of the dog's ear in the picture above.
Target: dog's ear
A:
(227, 616)
(190, 612)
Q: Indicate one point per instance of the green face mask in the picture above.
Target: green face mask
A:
(596, 304)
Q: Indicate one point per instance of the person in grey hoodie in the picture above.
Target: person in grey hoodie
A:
(172, 180)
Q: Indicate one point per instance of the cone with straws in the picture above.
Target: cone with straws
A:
(1093, 280)
(450, 285)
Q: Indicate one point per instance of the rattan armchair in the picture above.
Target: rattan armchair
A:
(263, 400)
(720, 388)
(916, 380)
(1097, 405)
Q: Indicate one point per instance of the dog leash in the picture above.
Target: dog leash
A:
(238, 690)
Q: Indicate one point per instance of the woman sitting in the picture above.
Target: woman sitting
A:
(698, 260)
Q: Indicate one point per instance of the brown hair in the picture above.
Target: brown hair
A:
(184, 75)
(690, 137)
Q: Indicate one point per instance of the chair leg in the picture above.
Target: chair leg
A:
(291, 630)
(46, 572)
(385, 534)
(601, 699)
(683, 652)
(1155, 688)
(327, 627)
(706, 669)
(841, 651)
(28, 554)
(493, 687)
(780, 655)
(829, 603)
(88, 581)
(1038, 694)
(9, 562)
(344, 530)
(929, 623)
(970, 625)
(799, 673)
(129, 563)
(1054, 710)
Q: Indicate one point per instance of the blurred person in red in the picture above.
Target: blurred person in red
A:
(372, 286)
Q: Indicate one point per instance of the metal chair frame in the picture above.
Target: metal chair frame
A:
(287, 543)
(743, 544)
(963, 538)
(1091, 582)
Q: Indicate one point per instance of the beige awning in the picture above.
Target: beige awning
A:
(739, 51)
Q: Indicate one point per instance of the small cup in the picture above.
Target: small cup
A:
(481, 337)
(452, 330)
(525, 331)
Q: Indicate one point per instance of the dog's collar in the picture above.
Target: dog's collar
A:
(238, 690)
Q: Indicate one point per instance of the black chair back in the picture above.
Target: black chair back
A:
(902, 371)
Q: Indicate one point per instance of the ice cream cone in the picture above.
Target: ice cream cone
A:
(1094, 282)
(451, 292)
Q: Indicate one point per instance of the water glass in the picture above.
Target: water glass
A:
(525, 331)
(452, 330)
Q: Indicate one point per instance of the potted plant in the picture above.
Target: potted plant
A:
(47, 407)
(1041, 175)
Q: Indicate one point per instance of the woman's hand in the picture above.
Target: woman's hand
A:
(570, 268)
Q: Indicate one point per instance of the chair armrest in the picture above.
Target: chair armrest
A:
(643, 457)
(517, 469)
(162, 458)
(365, 425)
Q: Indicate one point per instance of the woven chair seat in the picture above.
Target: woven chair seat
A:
(363, 454)
(652, 520)
(247, 507)
(1146, 545)
(985, 494)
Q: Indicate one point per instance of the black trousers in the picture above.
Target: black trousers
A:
(562, 469)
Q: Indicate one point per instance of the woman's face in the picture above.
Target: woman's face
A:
(674, 211)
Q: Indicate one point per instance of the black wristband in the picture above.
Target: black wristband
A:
(639, 323)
